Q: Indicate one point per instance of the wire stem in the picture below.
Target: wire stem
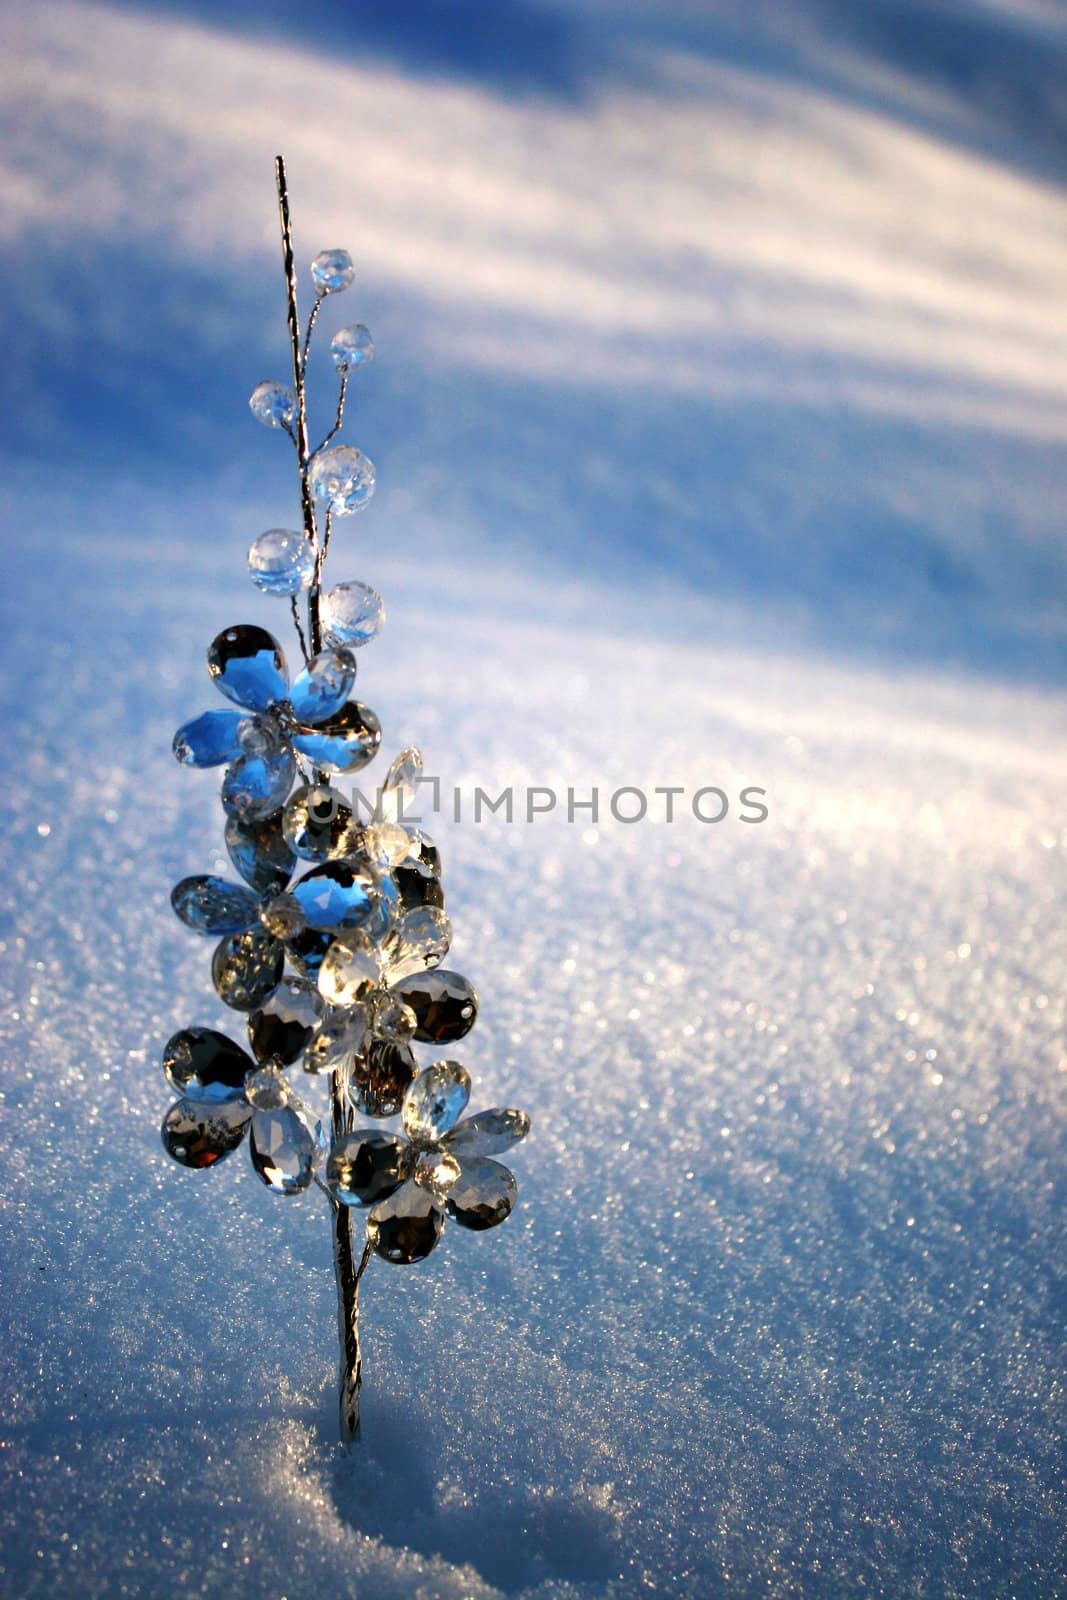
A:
(335, 430)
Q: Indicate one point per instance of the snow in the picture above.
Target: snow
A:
(720, 431)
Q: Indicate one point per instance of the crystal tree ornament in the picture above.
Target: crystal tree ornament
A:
(331, 946)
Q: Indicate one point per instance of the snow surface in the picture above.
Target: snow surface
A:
(720, 424)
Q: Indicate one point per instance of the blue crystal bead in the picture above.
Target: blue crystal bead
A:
(344, 742)
(352, 347)
(332, 271)
(342, 478)
(209, 739)
(281, 562)
(272, 404)
(212, 906)
(352, 614)
(337, 895)
(323, 686)
(257, 785)
(248, 665)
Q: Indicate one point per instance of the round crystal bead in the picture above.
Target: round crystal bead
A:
(332, 271)
(281, 562)
(342, 478)
(272, 404)
(352, 614)
(352, 347)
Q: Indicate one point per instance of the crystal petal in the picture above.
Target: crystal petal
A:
(198, 1135)
(211, 905)
(352, 347)
(209, 739)
(364, 1167)
(350, 968)
(337, 896)
(281, 562)
(401, 784)
(256, 785)
(352, 614)
(272, 404)
(246, 968)
(342, 478)
(259, 851)
(248, 666)
(487, 1132)
(284, 1148)
(418, 884)
(282, 1028)
(344, 742)
(406, 1226)
(323, 686)
(420, 940)
(483, 1195)
(204, 1065)
(319, 825)
(435, 1102)
(336, 1042)
(380, 1075)
(332, 271)
(445, 1005)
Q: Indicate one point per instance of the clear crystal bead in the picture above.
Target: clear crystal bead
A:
(197, 1135)
(386, 842)
(266, 1089)
(319, 825)
(259, 852)
(436, 1171)
(246, 968)
(204, 1065)
(345, 742)
(401, 785)
(487, 1132)
(324, 685)
(212, 906)
(389, 1018)
(435, 1101)
(380, 1075)
(248, 665)
(272, 404)
(350, 968)
(418, 884)
(209, 740)
(284, 1148)
(282, 1028)
(364, 1167)
(281, 562)
(352, 614)
(342, 478)
(405, 1227)
(256, 785)
(332, 271)
(336, 1042)
(445, 1005)
(352, 347)
(420, 940)
(282, 915)
(483, 1195)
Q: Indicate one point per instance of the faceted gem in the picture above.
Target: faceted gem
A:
(401, 784)
(282, 915)
(435, 1171)
(343, 479)
(380, 1075)
(282, 1027)
(283, 1148)
(323, 686)
(205, 1065)
(390, 1018)
(246, 968)
(420, 939)
(435, 1102)
(332, 271)
(272, 404)
(319, 825)
(352, 614)
(208, 740)
(487, 1132)
(248, 665)
(266, 1089)
(350, 968)
(259, 851)
(386, 842)
(338, 895)
(423, 850)
(306, 951)
(484, 1194)
(445, 1005)
(405, 1227)
(363, 1167)
(336, 1042)
(352, 347)
(386, 908)
(198, 1135)
(256, 785)
(344, 742)
(211, 905)
(418, 884)
(281, 562)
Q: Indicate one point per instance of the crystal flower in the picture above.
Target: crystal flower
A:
(437, 1166)
(276, 721)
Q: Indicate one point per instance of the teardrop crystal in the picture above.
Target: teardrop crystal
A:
(337, 896)
(483, 1195)
(420, 940)
(204, 1065)
(306, 949)
(211, 905)
(209, 739)
(435, 1102)
(272, 404)
(281, 562)
(197, 1135)
(332, 271)
(282, 1028)
(246, 968)
(248, 665)
(487, 1132)
(352, 347)
(380, 1075)
(256, 785)
(401, 784)
(323, 686)
(344, 742)
(364, 1167)
(319, 825)
(342, 478)
(445, 1005)
(352, 614)
(259, 851)
(350, 968)
(283, 1148)
(406, 1226)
